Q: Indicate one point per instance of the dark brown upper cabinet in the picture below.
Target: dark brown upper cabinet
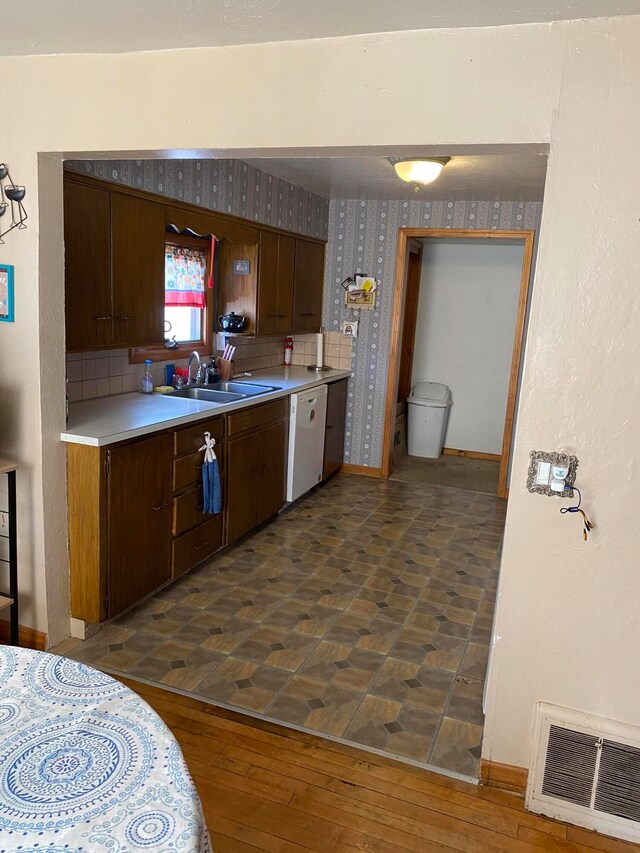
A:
(87, 240)
(308, 280)
(275, 284)
(114, 268)
(137, 245)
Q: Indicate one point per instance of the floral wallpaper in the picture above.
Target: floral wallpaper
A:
(231, 186)
(363, 238)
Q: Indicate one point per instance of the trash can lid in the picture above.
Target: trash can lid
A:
(431, 394)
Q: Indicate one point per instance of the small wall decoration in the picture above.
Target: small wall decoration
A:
(350, 328)
(11, 196)
(361, 292)
(6, 294)
(241, 267)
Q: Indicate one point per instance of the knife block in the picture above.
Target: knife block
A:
(225, 369)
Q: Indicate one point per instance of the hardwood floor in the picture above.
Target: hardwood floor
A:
(267, 788)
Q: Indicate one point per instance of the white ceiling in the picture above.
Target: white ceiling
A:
(493, 177)
(89, 26)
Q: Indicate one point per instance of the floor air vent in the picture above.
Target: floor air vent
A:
(586, 771)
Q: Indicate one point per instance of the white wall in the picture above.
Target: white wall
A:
(464, 333)
(567, 615)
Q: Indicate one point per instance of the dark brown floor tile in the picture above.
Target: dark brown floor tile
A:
(341, 698)
(367, 733)
(457, 747)
(289, 710)
(408, 745)
(363, 659)
(420, 721)
(465, 702)
(474, 662)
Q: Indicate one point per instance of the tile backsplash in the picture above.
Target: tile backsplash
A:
(337, 350)
(107, 372)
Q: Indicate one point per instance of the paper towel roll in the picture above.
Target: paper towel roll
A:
(319, 349)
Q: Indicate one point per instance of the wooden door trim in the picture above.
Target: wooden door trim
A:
(409, 314)
(404, 235)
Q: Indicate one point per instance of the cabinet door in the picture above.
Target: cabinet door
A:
(286, 254)
(87, 267)
(243, 467)
(334, 435)
(139, 520)
(271, 481)
(137, 240)
(237, 291)
(275, 283)
(268, 284)
(308, 281)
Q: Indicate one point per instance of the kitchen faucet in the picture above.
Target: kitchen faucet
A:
(190, 380)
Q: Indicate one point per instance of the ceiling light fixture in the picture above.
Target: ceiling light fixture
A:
(418, 170)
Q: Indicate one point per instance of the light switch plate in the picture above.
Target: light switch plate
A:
(540, 473)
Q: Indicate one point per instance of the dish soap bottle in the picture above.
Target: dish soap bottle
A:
(147, 378)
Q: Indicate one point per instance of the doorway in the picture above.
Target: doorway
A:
(455, 322)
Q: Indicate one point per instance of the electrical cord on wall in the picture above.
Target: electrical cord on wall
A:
(588, 526)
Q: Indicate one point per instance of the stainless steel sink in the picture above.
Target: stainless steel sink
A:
(207, 395)
(223, 392)
(247, 389)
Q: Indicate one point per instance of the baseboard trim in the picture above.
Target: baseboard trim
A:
(28, 638)
(505, 776)
(362, 470)
(471, 454)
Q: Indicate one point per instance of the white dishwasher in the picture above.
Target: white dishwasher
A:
(307, 420)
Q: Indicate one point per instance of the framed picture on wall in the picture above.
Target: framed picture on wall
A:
(6, 293)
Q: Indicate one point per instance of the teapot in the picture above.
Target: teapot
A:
(232, 322)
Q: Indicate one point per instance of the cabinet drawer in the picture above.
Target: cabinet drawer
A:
(187, 471)
(191, 439)
(257, 417)
(195, 546)
(187, 511)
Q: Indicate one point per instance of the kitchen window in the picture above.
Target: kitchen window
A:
(188, 299)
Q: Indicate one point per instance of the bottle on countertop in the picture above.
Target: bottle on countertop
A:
(288, 351)
(147, 378)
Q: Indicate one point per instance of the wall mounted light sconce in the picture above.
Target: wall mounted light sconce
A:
(11, 196)
(418, 170)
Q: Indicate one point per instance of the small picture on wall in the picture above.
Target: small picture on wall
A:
(6, 293)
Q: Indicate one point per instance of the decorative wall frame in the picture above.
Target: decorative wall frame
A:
(6, 294)
(558, 459)
(360, 299)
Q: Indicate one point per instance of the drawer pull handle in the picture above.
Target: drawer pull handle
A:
(160, 507)
(103, 317)
(200, 546)
(122, 317)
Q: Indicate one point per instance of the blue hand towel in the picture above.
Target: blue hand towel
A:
(211, 490)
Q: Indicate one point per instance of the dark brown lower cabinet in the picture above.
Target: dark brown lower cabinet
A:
(139, 506)
(135, 508)
(256, 472)
(334, 436)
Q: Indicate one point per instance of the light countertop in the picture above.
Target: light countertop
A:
(107, 420)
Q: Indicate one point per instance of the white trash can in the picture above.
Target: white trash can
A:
(428, 404)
